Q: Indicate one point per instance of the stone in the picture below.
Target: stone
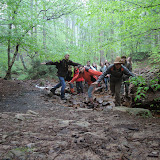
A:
(64, 123)
(82, 123)
(32, 112)
(134, 111)
(105, 103)
(18, 153)
(20, 117)
(30, 145)
(4, 137)
(4, 116)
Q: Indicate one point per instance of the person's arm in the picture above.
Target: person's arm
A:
(94, 72)
(75, 78)
(73, 63)
(101, 77)
(50, 63)
(127, 72)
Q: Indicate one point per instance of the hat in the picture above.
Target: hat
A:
(124, 57)
(118, 60)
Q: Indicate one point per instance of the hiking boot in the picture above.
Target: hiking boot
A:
(63, 98)
(53, 90)
(91, 106)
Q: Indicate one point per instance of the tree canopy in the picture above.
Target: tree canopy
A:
(86, 29)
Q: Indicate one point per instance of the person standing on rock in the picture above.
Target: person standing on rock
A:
(102, 69)
(125, 78)
(89, 76)
(62, 66)
(116, 72)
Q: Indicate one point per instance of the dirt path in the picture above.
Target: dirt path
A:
(36, 127)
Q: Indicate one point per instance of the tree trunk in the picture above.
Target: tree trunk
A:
(24, 66)
(9, 49)
(102, 58)
(8, 74)
(36, 27)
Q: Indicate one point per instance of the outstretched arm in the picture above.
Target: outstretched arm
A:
(74, 78)
(93, 72)
(50, 63)
(127, 72)
(73, 63)
(107, 71)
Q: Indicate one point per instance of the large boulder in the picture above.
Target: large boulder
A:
(134, 111)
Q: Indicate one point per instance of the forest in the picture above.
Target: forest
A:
(33, 31)
(36, 123)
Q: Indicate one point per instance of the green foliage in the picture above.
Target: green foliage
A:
(155, 58)
(143, 86)
(82, 28)
(37, 70)
(154, 84)
(22, 76)
(3, 61)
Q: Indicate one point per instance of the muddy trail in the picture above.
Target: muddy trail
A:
(35, 126)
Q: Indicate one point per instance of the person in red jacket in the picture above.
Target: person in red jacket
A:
(79, 81)
(90, 76)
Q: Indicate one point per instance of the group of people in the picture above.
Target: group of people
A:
(115, 73)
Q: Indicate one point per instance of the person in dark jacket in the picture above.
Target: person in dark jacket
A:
(116, 72)
(125, 78)
(62, 66)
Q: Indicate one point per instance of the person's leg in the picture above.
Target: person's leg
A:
(63, 84)
(112, 87)
(106, 83)
(78, 87)
(81, 86)
(90, 94)
(71, 88)
(126, 87)
(56, 86)
(122, 88)
(117, 93)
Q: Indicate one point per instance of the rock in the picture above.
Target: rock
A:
(64, 123)
(4, 137)
(32, 112)
(18, 152)
(14, 142)
(153, 154)
(4, 116)
(82, 123)
(134, 111)
(30, 145)
(19, 117)
(83, 109)
(99, 100)
(105, 103)
(50, 127)
(109, 107)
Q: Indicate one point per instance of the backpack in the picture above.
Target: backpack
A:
(92, 78)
